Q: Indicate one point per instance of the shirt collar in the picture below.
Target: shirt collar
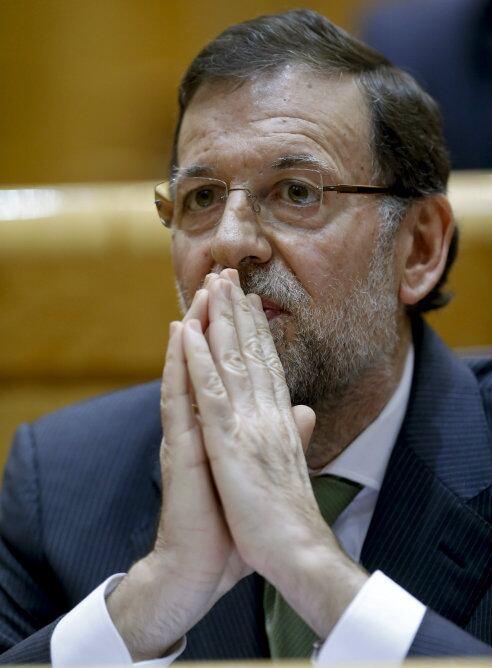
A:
(366, 458)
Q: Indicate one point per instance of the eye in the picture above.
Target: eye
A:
(202, 198)
(298, 193)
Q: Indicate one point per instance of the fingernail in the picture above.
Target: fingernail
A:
(173, 326)
(227, 287)
(208, 278)
(195, 325)
(231, 275)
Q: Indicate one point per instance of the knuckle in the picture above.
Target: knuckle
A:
(243, 305)
(171, 359)
(213, 386)
(166, 412)
(232, 361)
(165, 395)
(228, 317)
(263, 330)
(231, 425)
(253, 349)
(275, 366)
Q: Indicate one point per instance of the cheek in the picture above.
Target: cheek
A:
(191, 262)
(324, 267)
(324, 270)
(333, 258)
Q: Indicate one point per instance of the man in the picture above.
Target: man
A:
(310, 228)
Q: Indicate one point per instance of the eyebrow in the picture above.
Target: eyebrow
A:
(192, 170)
(301, 160)
(307, 160)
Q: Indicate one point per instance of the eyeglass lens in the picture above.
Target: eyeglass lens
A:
(293, 197)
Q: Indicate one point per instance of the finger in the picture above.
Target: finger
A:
(225, 348)
(272, 361)
(251, 349)
(211, 395)
(199, 308)
(193, 401)
(231, 275)
(305, 419)
(176, 404)
(203, 316)
(209, 278)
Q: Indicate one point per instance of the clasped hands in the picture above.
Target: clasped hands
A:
(236, 491)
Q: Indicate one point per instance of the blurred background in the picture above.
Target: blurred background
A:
(88, 104)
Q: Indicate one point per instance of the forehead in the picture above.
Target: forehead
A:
(295, 111)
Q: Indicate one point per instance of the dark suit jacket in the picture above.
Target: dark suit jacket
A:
(81, 499)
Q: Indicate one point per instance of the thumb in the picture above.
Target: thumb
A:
(305, 419)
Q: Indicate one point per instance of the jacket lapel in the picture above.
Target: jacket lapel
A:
(425, 533)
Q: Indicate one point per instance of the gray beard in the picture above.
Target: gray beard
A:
(336, 343)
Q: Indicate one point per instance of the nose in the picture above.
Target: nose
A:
(239, 235)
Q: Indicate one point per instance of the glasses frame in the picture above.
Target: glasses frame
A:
(167, 205)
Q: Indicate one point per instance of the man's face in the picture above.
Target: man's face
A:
(329, 291)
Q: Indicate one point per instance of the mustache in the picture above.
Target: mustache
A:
(274, 282)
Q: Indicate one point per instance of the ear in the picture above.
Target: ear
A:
(426, 234)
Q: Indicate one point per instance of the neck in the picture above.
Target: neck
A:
(339, 422)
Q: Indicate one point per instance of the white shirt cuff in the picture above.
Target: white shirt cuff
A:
(87, 635)
(379, 625)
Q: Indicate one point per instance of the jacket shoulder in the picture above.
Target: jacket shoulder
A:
(86, 474)
(118, 420)
(99, 454)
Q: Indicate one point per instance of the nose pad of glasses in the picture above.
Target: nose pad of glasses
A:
(255, 205)
(253, 199)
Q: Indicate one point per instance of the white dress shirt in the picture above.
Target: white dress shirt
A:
(383, 617)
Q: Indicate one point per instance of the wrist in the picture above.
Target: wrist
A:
(318, 580)
(135, 610)
(153, 607)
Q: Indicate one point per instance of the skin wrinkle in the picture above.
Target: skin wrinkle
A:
(233, 362)
(213, 385)
(228, 318)
(332, 166)
(332, 142)
(211, 170)
(252, 349)
(276, 470)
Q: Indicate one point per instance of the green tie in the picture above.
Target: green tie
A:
(288, 635)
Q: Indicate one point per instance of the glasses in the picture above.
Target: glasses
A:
(295, 197)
